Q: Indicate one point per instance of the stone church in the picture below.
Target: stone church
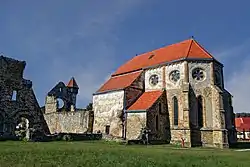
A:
(177, 92)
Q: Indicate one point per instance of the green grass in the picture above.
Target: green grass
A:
(98, 153)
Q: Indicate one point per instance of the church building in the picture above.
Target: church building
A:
(177, 92)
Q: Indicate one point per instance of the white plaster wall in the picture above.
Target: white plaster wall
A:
(169, 68)
(107, 108)
(148, 73)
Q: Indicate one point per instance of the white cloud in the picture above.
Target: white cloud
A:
(238, 78)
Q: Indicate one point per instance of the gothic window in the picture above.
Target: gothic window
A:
(217, 78)
(198, 74)
(154, 79)
(157, 123)
(176, 112)
(174, 75)
(200, 111)
(160, 108)
(14, 93)
(107, 129)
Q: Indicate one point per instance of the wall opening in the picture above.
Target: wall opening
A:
(107, 129)
(200, 111)
(157, 123)
(14, 94)
(176, 110)
(59, 103)
(160, 108)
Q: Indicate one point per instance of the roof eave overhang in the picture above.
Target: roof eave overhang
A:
(107, 91)
(180, 60)
(136, 111)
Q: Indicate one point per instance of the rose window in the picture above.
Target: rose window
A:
(175, 75)
(154, 79)
(198, 74)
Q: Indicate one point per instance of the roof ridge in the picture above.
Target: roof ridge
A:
(189, 48)
(202, 48)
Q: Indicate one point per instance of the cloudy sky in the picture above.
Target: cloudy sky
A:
(89, 39)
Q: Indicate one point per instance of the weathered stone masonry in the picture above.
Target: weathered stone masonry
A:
(66, 118)
(17, 99)
(198, 107)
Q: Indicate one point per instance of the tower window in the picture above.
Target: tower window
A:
(14, 94)
(176, 110)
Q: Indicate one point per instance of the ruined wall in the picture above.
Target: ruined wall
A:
(68, 122)
(108, 110)
(17, 98)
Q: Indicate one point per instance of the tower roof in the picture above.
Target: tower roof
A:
(187, 49)
(72, 83)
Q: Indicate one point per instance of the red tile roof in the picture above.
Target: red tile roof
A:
(185, 49)
(72, 83)
(242, 124)
(120, 82)
(145, 101)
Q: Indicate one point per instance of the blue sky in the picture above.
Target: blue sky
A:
(89, 39)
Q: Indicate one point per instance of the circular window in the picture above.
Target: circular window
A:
(174, 76)
(154, 79)
(198, 74)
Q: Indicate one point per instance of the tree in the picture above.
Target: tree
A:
(89, 106)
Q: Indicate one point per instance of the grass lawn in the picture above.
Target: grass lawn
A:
(99, 153)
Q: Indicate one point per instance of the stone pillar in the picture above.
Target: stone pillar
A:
(186, 72)
(164, 78)
(212, 73)
(220, 138)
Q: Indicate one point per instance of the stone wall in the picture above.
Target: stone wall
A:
(160, 129)
(170, 68)
(17, 98)
(135, 122)
(108, 110)
(69, 122)
(159, 73)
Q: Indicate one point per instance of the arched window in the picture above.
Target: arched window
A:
(176, 111)
(157, 123)
(200, 111)
(160, 108)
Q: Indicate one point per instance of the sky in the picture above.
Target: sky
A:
(90, 39)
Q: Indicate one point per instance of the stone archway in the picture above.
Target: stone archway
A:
(23, 123)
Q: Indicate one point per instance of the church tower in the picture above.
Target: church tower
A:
(73, 91)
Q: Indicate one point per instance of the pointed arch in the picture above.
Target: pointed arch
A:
(176, 110)
(200, 111)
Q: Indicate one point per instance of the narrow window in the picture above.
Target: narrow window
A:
(176, 112)
(14, 93)
(107, 129)
(200, 111)
(157, 123)
(159, 107)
